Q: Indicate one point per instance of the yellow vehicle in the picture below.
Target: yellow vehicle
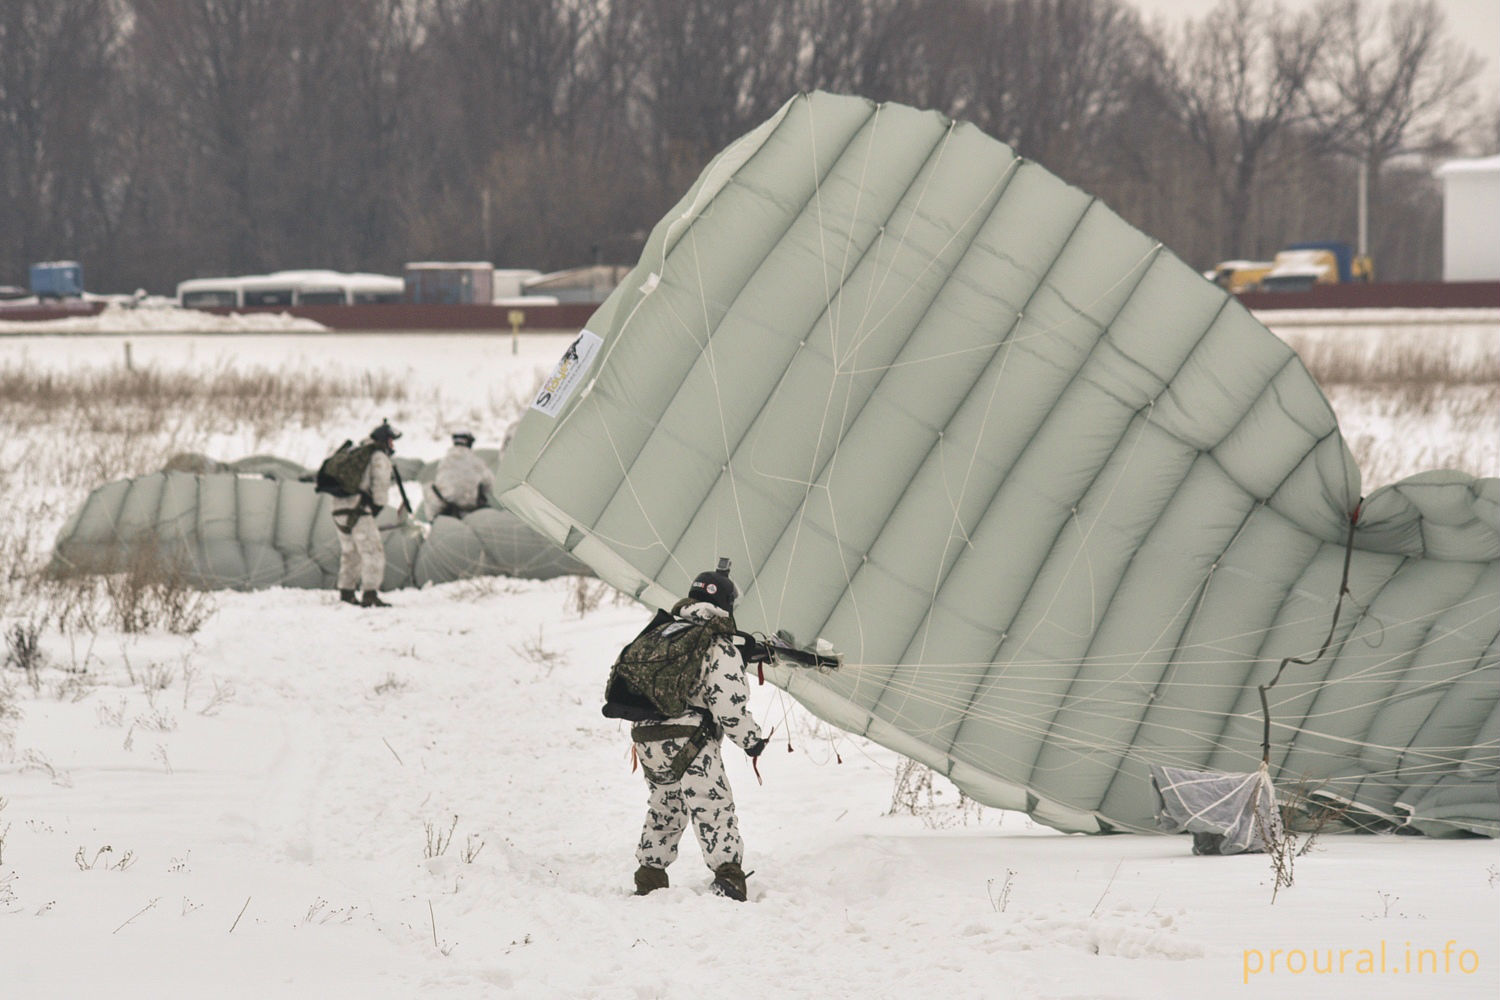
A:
(1236, 276)
(1302, 265)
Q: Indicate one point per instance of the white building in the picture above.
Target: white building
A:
(1471, 206)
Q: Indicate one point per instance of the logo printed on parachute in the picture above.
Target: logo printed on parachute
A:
(568, 374)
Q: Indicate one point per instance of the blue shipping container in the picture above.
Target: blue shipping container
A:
(57, 279)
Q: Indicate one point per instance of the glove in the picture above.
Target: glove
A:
(753, 750)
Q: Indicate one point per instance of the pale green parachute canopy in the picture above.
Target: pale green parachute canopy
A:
(1060, 503)
(257, 522)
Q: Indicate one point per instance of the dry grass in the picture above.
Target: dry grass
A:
(120, 400)
(1407, 363)
(63, 434)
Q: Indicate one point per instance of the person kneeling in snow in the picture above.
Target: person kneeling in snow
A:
(462, 482)
(681, 755)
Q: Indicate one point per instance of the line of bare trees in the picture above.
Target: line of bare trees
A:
(157, 140)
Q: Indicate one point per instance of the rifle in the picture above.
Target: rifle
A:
(782, 648)
(401, 487)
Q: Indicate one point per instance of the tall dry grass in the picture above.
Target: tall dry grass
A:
(63, 434)
(1414, 398)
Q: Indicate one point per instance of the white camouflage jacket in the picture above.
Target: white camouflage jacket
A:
(459, 476)
(722, 689)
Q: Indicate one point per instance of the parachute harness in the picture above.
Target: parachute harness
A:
(1265, 742)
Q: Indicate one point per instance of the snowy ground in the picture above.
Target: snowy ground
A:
(306, 800)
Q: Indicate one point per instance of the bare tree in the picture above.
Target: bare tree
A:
(1238, 82)
(1051, 75)
(161, 139)
(217, 65)
(58, 68)
(715, 69)
(1391, 84)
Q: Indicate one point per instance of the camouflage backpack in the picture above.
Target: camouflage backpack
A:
(342, 472)
(658, 670)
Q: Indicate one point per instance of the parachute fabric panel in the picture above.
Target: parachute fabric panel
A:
(1060, 503)
(489, 542)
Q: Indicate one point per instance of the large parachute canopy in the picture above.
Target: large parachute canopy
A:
(1061, 504)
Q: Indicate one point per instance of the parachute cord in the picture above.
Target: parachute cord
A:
(755, 761)
(1265, 741)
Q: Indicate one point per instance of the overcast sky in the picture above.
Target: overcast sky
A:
(1475, 22)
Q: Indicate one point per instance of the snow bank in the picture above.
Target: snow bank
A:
(152, 319)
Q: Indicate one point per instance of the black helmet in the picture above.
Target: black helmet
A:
(464, 438)
(384, 434)
(715, 587)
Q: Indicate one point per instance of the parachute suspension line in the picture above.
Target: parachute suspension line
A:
(832, 309)
(690, 328)
(1085, 743)
(1142, 265)
(839, 354)
(1265, 707)
(984, 206)
(727, 471)
(1001, 349)
(1202, 595)
(865, 328)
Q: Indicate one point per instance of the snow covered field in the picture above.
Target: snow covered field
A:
(302, 799)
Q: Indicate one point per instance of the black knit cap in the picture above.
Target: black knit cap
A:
(715, 587)
(385, 433)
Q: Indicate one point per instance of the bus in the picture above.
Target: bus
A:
(290, 288)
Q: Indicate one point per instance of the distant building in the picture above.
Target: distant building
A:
(289, 288)
(1471, 204)
(57, 279)
(590, 285)
(509, 283)
(450, 283)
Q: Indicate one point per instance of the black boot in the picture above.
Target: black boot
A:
(648, 879)
(729, 880)
(372, 600)
(347, 596)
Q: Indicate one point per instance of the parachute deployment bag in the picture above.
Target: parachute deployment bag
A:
(657, 671)
(342, 472)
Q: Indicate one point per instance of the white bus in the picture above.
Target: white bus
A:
(290, 288)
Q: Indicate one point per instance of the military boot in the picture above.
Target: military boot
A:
(347, 596)
(648, 879)
(372, 600)
(729, 880)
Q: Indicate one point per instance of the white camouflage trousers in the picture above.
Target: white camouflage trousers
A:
(702, 797)
(361, 555)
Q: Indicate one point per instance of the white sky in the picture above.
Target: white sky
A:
(1475, 22)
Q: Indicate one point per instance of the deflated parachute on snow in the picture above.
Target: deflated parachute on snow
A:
(1061, 504)
(258, 523)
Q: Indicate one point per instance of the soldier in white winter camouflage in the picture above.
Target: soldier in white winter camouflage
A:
(681, 755)
(361, 552)
(462, 482)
